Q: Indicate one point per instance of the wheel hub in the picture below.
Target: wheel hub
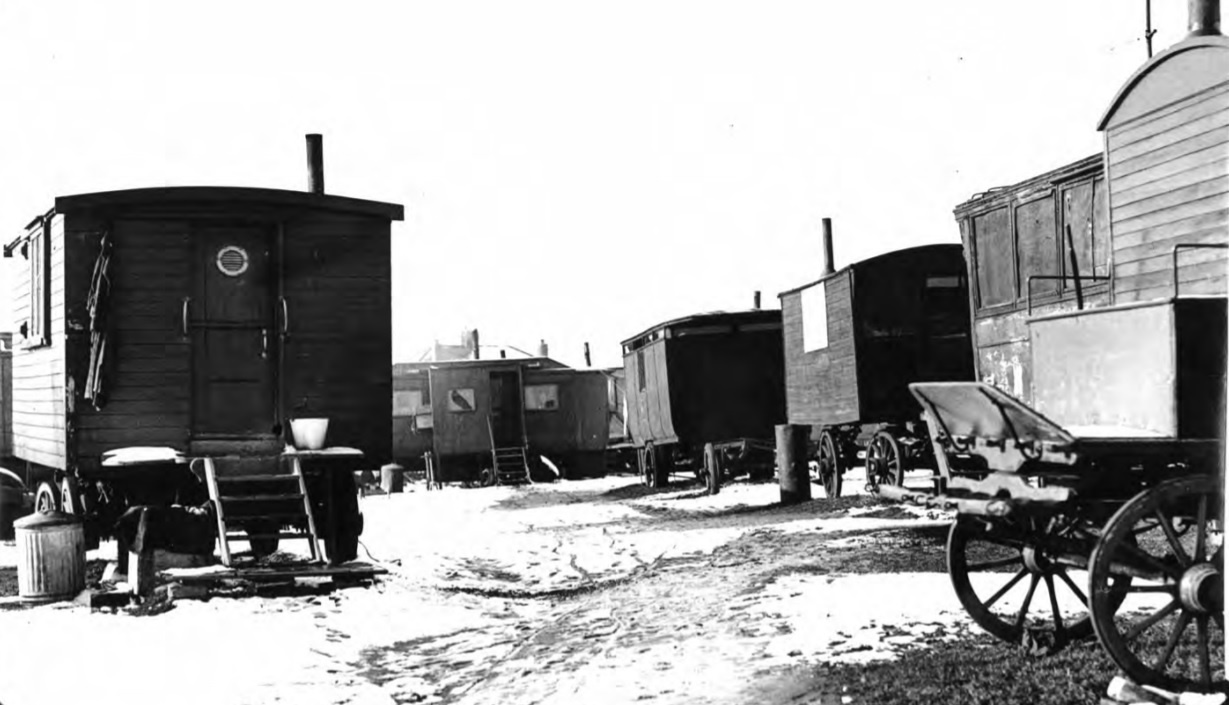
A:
(1202, 589)
(1035, 560)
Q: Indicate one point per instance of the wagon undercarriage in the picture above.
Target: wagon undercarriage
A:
(1059, 538)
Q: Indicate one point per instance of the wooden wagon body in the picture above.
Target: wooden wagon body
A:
(1096, 441)
(855, 339)
(707, 378)
(465, 412)
(201, 320)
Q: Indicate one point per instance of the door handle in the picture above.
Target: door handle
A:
(264, 343)
(184, 317)
(285, 316)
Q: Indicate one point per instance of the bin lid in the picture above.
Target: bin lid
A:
(46, 520)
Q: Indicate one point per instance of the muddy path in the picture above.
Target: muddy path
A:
(674, 629)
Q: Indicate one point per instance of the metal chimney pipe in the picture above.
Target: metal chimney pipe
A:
(315, 163)
(1204, 18)
(503, 354)
(829, 263)
(473, 336)
(588, 362)
(757, 301)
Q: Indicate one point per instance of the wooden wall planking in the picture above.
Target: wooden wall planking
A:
(338, 355)
(38, 395)
(6, 394)
(821, 386)
(148, 386)
(1169, 184)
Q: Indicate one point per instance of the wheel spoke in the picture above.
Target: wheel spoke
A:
(1205, 666)
(1156, 617)
(1071, 584)
(990, 565)
(1003, 590)
(1150, 560)
(1201, 527)
(1058, 617)
(1028, 599)
(1167, 527)
(1174, 637)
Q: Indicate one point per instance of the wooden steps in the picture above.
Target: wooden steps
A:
(511, 466)
(257, 507)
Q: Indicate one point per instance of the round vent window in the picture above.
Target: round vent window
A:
(232, 260)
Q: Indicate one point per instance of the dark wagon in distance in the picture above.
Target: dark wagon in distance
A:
(712, 378)
(854, 341)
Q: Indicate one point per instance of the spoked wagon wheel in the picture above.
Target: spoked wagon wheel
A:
(648, 466)
(997, 566)
(46, 498)
(884, 463)
(1170, 631)
(830, 470)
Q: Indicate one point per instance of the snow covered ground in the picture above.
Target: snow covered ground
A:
(574, 591)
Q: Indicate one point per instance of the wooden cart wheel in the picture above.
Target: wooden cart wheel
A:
(1170, 632)
(486, 477)
(647, 466)
(46, 498)
(884, 463)
(70, 496)
(996, 567)
(830, 469)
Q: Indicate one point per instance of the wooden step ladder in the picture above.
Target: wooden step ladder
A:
(511, 466)
(261, 501)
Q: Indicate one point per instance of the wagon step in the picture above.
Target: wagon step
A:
(511, 465)
(261, 497)
(241, 505)
(257, 478)
(271, 535)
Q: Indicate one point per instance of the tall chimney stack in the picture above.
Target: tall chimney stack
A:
(829, 264)
(588, 361)
(1204, 17)
(473, 337)
(757, 301)
(315, 164)
(543, 351)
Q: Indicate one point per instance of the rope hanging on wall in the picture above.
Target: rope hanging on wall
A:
(97, 304)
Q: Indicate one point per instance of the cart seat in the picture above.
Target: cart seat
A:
(980, 410)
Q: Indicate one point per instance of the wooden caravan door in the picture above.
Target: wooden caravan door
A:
(506, 409)
(233, 338)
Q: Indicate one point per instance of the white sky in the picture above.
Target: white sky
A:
(573, 171)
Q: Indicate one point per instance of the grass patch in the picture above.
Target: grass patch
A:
(975, 670)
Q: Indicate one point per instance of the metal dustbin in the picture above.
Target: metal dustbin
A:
(51, 557)
(392, 478)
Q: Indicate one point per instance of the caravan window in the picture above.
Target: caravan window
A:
(38, 301)
(460, 400)
(541, 397)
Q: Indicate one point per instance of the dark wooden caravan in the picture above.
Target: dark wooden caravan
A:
(709, 378)
(1116, 466)
(1146, 220)
(199, 319)
(1020, 262)
(855, 340)
(495, 421)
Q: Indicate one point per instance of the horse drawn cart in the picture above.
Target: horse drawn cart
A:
(1135, 513)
